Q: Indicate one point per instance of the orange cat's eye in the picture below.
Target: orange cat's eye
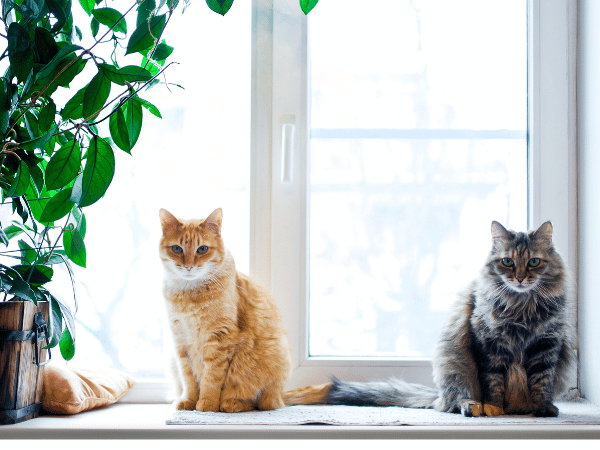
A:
(534, 262)
(176, 249)
(202, 249)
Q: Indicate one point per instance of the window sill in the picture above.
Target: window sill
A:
(147, 421)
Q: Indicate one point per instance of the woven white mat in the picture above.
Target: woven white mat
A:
(573, 413)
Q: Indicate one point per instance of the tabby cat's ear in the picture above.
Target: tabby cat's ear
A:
(168, 221)
(544, 232)
(215, 220)
(499, 232)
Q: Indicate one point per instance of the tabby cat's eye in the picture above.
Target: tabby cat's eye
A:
(202, 249)
(507, 262)
(534, 262)
(176, 248)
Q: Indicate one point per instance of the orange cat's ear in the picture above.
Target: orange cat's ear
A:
(168, 221)
(215, 220)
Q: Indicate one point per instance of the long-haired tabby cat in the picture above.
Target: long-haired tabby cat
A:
(231, 351)
(506, 347)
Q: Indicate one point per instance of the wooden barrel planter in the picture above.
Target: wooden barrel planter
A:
(23, 334)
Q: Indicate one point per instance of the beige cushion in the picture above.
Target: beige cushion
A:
(70, 390)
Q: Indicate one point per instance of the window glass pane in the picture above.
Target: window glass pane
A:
(418, 142)
(192, 161)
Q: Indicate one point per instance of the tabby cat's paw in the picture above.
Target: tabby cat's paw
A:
(185, 404)
(207, 405)
(492, 411)
(471, 408)
(548, 410)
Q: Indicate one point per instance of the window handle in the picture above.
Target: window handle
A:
(287, 151)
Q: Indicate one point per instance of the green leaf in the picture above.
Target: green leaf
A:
(74, 107)
(13, 231)
(65, 78)
(118, 130)
(50, 70)
(146, 34)
(150, 107)
(126, 124)
(46, 115)
(99, 170)
(111, 18)
(37, 176)
(36, 275)
(28, 254)
(219, 6)
(94, 26)
(144, 11)
(21, 181)
(5, 103)
(87, 5)
(19, 287)
(78, 220)
(40, 141)
(67, 345)
(130, 74)
(61, 9)
(45, 45)
(31, 124)
(162, 52)
(64, 165)
(133, 120)
(22, 290)
(20, 51)
(54, 323)
(308, 5)
(74, 246)
(58, 206)
(96, 94)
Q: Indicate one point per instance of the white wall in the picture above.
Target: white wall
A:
(588, 122)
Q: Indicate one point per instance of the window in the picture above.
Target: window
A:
(267, 148)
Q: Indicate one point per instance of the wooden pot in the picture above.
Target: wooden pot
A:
(22, 357)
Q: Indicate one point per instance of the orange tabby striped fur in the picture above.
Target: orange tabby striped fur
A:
(231, 351)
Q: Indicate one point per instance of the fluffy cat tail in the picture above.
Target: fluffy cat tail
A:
(393, 392)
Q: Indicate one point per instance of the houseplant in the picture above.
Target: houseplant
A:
(57, 157)
(65, 108)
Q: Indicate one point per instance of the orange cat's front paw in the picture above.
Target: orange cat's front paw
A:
(185, 404)
(207, 405)
(232, 405)
(270, 402)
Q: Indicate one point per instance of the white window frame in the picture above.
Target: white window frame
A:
(279, 222)
(279, 208)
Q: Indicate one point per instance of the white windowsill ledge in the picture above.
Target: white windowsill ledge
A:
(147, 421)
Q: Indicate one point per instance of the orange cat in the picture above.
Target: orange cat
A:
(231, 351)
